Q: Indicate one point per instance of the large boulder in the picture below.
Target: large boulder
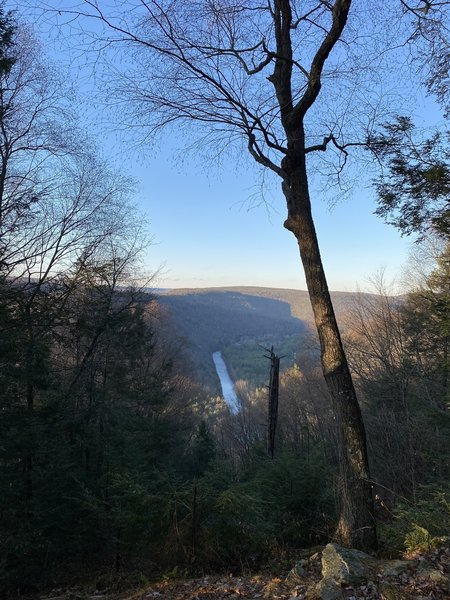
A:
(350, 573)
(346, 566)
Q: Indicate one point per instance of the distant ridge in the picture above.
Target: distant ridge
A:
(298, 300)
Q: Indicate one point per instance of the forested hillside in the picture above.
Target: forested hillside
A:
(211, 320)
(297, 301)
(242, 321)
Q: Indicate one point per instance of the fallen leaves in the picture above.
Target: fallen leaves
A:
(428, 580)
(217, 588)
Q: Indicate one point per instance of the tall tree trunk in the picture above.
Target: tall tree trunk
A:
(356, 524)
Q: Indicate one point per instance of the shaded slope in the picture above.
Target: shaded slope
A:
(297, 300)
(211, 320)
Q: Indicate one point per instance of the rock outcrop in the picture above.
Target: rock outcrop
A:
(344, 570)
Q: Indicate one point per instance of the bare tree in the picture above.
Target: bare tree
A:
(61, 208)
(429, 41)
(59, 203)
(377, 348)
(253, 71)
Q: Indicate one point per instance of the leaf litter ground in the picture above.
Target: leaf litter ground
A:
(409, 585)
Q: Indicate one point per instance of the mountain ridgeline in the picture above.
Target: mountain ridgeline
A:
(241, 322)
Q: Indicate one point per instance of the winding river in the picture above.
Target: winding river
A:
(228, 391)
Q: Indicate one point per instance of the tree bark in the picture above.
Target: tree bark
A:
(356, 526)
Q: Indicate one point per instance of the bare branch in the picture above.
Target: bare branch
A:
(340, 14)
(331, 138)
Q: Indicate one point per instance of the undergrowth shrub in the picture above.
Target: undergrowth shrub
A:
(418, 526)
(237, 520)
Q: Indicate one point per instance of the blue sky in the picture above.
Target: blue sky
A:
(211, 228)
(208, 233)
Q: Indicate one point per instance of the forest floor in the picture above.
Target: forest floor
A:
(409, 585)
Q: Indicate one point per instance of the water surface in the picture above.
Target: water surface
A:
(228, 390)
